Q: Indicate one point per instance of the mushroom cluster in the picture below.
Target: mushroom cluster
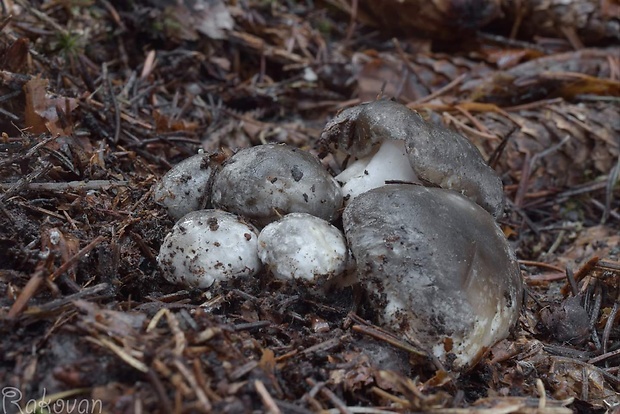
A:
(433, 262)
(281, 188)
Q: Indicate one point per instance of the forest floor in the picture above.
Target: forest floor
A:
(99, 98)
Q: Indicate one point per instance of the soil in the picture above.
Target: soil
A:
(98, 99)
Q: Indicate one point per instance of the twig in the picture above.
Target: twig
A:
(540, 387)
(571, 280)
(606, 375)
(524, 216)
(159, 390)
(598, 301)
(251, 326)
(505, 41)
(120, 352)
(25, 181)
(43, 17)
(361, 410)
(353, 17)
(534, 105)
(326, 392)
(117, 111)
(604, 356)
(601, 206)
(377, 334)
(529, 167)
(611, 318)
(322, 346)
(540, 264)
(61, 302)
(29, 290)
(243, 370)
(438, 92)
(186, 373)
(471, 130)
(66, 265)
(70, 185)
(584, 384)
(270, 404)
(609, 190)
(586, 268)
(6, 20)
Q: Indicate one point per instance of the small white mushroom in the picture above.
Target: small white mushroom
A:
(184, 187)
(301, 246)
(436, 267)
(268, 181)
(206, 246)
(436, 154)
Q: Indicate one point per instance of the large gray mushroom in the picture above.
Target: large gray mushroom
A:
(428, 152)
(268, 181)
(436, 267)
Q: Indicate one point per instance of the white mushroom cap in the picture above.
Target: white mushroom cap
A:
(436, 154)
(206, 246)
(437, 267)
(301, 246)
(265, 182)
(184, 187)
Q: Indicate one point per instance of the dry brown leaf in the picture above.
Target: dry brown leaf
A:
(44, 113)
(208, 17)
(445, 19)
(589, 21)
(598, 241)
(409, 77)
(591, 147)
(165, 123)
(558, 75)
(15, 56)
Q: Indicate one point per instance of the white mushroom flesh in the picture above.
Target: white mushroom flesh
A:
(436, 267)
(206, 246)
(389, 164)
(301, 246)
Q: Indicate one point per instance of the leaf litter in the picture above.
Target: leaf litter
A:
(99, 99)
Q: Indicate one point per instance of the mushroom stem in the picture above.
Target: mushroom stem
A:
(389, 163)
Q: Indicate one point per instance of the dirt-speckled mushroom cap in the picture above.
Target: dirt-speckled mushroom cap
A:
(436, 154)
(302, 246)
(184, 187)
(265, 182)
(206, 246)
(436, 266)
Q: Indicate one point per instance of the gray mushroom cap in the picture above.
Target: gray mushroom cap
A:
(437, 154)
(184, 188)
(437, 267)
(265, 182)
